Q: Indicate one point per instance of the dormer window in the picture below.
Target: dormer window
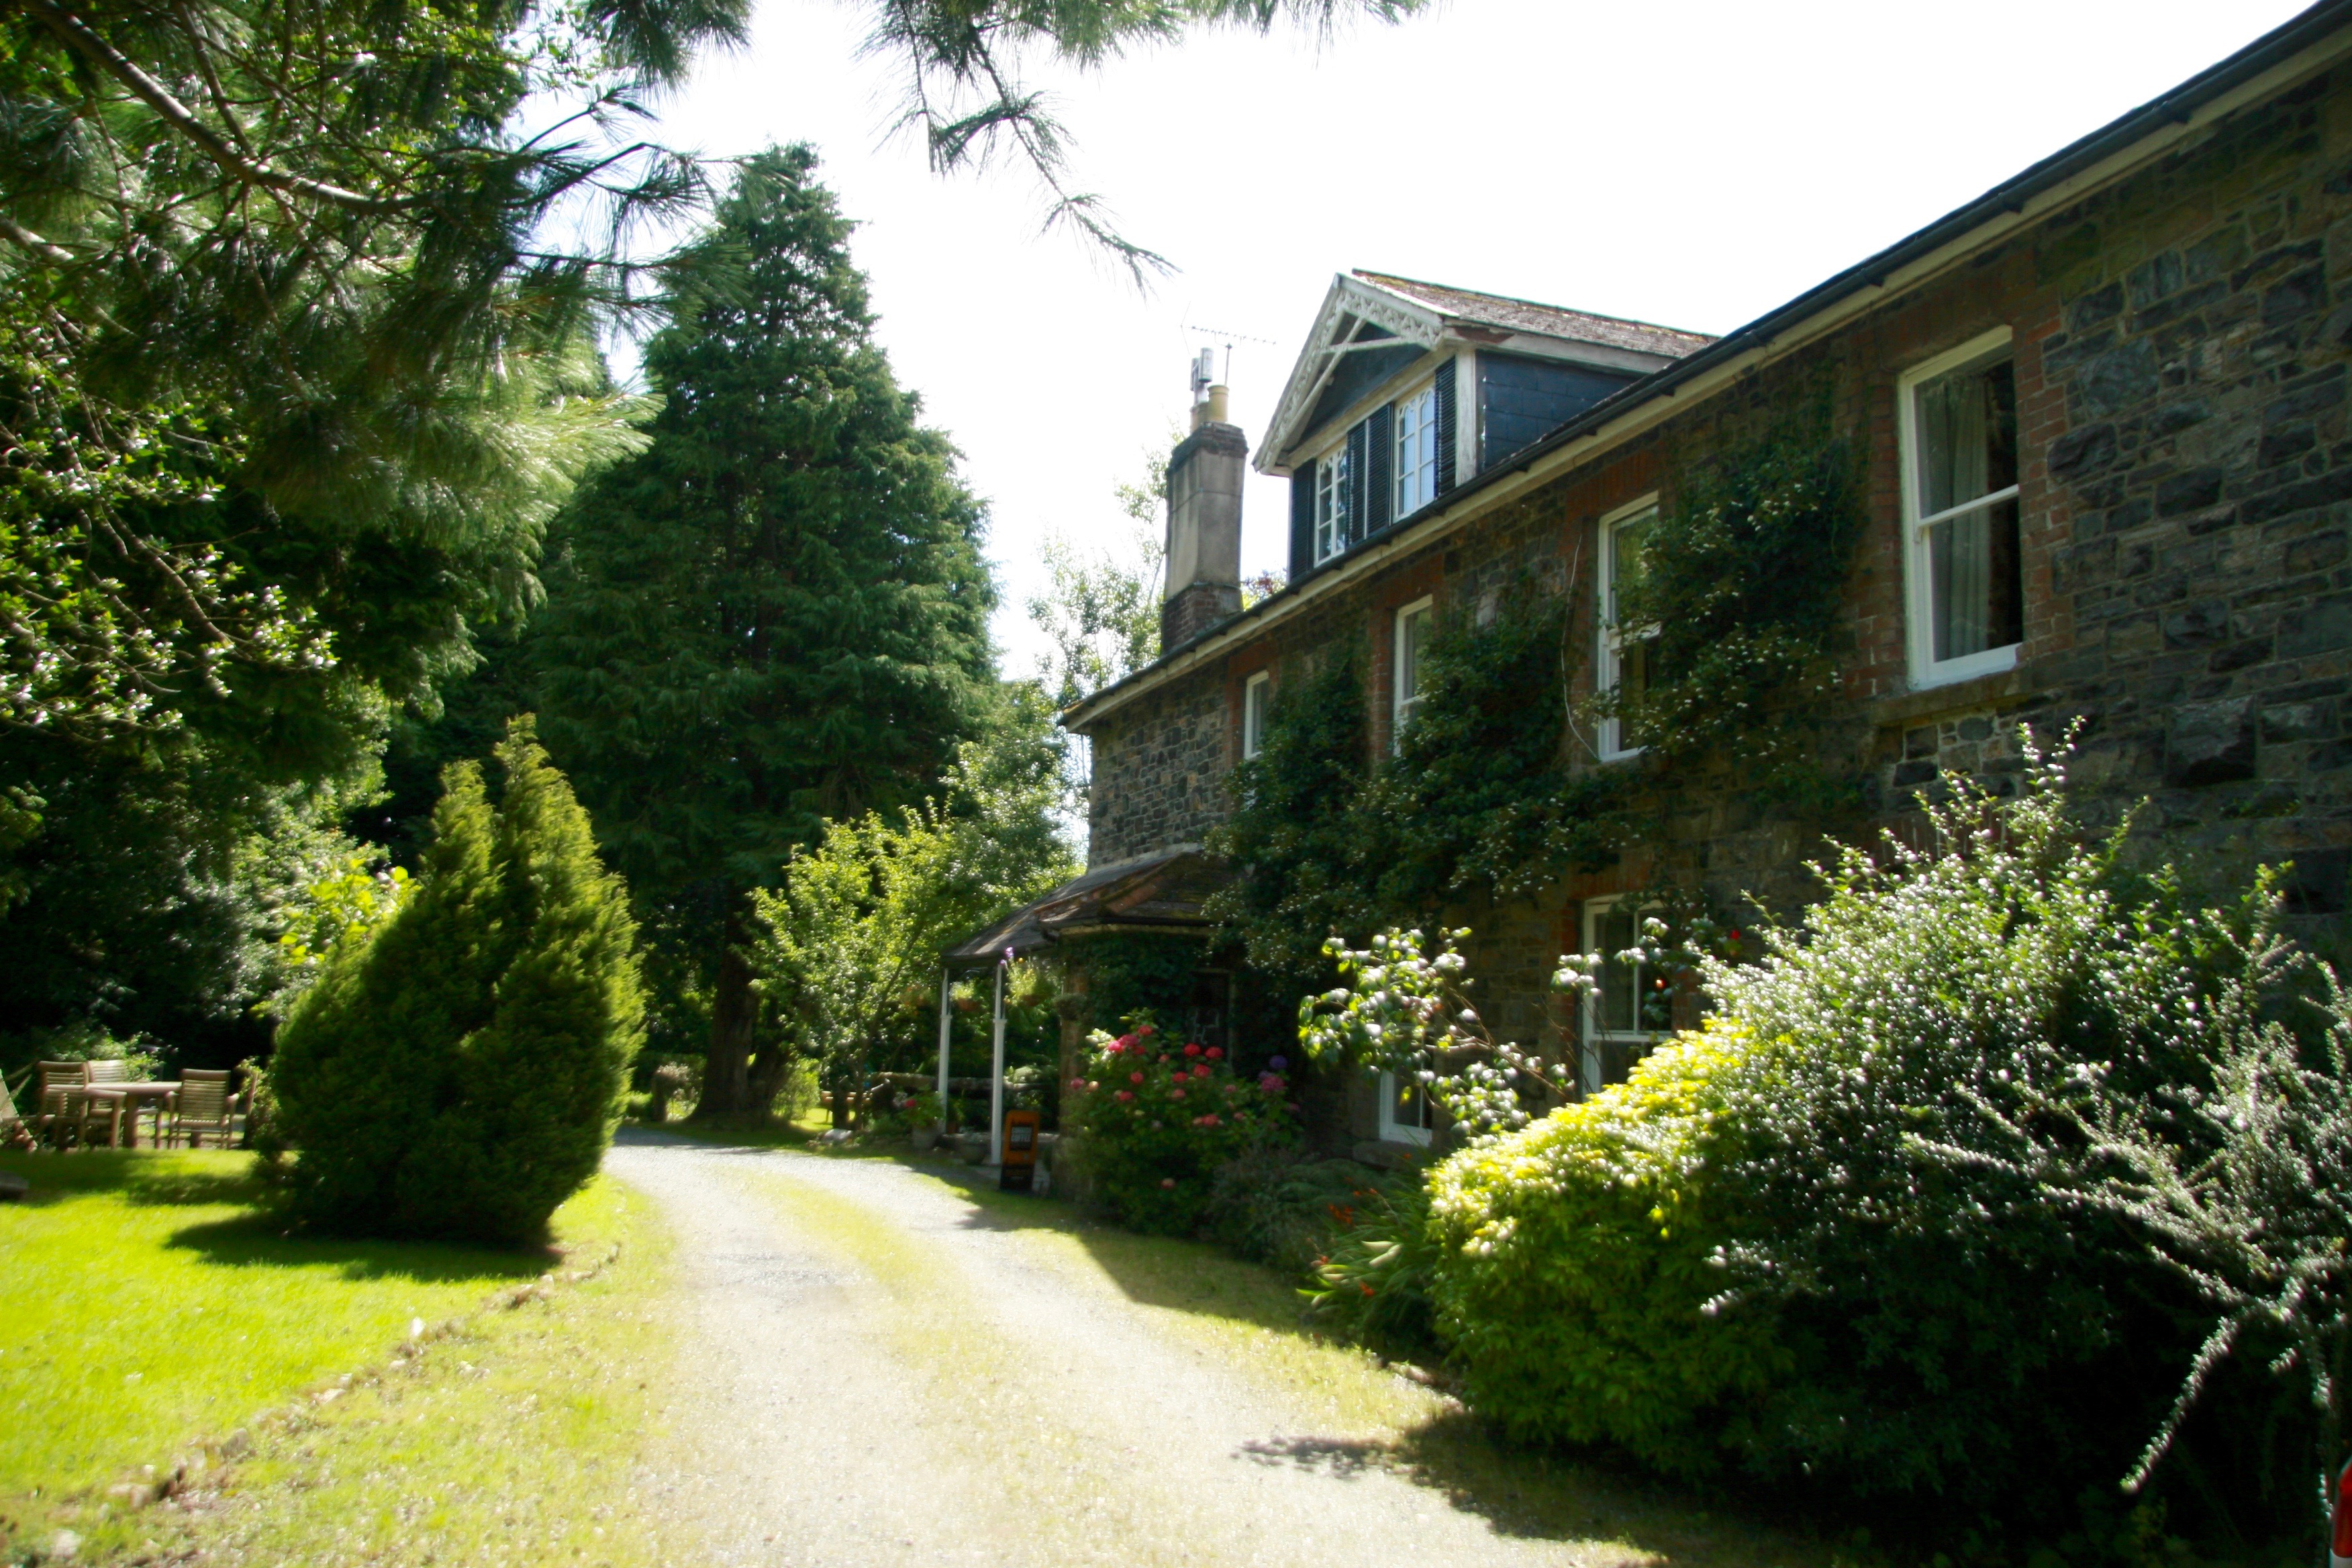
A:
(1332, 494)
(1416, 451)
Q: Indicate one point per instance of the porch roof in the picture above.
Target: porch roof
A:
(1163, 890)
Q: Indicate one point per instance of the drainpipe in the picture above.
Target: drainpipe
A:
(996, 1071)
(947, 987)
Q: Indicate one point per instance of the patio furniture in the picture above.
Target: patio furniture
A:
(104, 1107)
(201, 1110)
(58, 1109)
(14, 1131)
(150, 1097)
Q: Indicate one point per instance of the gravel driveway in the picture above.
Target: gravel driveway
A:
(880, 1371)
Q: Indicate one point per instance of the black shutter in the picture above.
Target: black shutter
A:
(1302, 521)
(1444, 425)
(1358, 490)
(1380, 474)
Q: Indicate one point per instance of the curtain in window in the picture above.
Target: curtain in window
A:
(1954, 422)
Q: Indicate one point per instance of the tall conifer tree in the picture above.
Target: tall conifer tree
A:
(778, 612)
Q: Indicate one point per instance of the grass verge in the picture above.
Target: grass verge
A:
(268, 1364)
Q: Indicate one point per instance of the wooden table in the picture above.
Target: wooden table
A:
(132, 1098)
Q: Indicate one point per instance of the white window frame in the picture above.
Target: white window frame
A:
(1404, 703)
(1332, 482)
(1256, 692)
(1415, 457)
(1918, 588)
(1610, 661)
(1395, 1132)
(1595, 1034)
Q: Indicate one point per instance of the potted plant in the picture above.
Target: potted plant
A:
(924, 1118)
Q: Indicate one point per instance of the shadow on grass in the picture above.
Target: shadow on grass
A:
(258, 1237)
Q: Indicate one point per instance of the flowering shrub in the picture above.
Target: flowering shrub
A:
(1895, 1222)
(1575, 1266)
(1159, 1118)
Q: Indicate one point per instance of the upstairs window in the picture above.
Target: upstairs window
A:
(1254, 692)
(1416, 451)
(1964, 575)
(1624, 654)
(1411, 638)
(1332, 492)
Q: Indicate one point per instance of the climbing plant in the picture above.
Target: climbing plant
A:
(1738, 596)
(1739, 587)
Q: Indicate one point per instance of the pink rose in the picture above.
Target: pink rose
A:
(1135, 1077)
(1210, 1119)
(1078, 1083)
(1168, 1181)
(1175, 1094)
(1146, 1029)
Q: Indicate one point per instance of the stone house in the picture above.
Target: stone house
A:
(2106, 474)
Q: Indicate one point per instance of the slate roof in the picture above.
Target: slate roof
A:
(1164, 889)
(1512, 315)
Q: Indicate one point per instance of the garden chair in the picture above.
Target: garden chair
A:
(59, 1108)
(14, 1131)
(94, 1075)
(201, 1110)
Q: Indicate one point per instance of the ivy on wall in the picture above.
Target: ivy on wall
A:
(1741, 584)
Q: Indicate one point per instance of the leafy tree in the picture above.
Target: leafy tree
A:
(1100, 608)
(456, 1070)
(851, 941)
(778, 612)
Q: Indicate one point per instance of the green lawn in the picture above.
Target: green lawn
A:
(146, 1302)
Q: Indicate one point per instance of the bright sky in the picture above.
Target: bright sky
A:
(1692, 165)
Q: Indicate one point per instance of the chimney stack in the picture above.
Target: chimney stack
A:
(1204, 585)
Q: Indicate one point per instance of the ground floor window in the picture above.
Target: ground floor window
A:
(1405, 1113)
(1631, 1006)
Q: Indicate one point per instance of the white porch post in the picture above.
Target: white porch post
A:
(947, 986)
(996, 1078)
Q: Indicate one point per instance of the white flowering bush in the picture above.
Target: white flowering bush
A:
(1939, 1202)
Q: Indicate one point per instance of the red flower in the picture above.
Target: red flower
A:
(1167, 1181)
(1192, 1051)
(1078, 1083)
(1175, 1094)
(1124, 1043)
(1125, 1095)
(1210, 1119)
(1135, 1077)
(1217, 1053)
(1148, 1029)
(1201, 1071)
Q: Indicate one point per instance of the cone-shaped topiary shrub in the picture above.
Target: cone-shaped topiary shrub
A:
(457, 1071)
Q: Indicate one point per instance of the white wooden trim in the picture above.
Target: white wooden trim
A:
(1398, 695)
(1610, 640)
(1918, 613)
(1256, 692)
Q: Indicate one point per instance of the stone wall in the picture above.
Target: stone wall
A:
(1160, 770)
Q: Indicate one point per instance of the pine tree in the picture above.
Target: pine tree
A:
(458, 1071)
(778, 612)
